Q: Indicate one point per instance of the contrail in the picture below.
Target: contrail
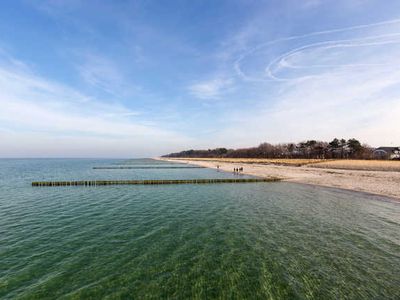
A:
(258, 47)
(333, 44)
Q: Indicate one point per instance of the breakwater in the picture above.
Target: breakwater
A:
(151, 182)
(157, 167)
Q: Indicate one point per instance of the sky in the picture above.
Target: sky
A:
(91, 78)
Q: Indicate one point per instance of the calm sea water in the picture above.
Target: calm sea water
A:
(227, 241)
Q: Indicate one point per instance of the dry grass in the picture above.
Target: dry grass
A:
(274, 161)
(367, 165)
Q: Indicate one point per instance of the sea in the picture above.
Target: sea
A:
(269, 240)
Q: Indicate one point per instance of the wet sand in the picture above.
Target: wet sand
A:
(384, 183)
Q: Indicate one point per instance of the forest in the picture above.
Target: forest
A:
(337, 148)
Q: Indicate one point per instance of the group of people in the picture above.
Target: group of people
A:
(237, 170)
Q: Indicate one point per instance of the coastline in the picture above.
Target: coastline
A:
(380, 183)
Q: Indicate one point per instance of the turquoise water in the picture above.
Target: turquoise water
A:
(226, 241)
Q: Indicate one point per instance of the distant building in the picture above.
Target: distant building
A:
(387, 153)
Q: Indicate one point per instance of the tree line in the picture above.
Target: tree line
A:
(337, 148)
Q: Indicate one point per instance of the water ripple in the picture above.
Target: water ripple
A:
(254, 241)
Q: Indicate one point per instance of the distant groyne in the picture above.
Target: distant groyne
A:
(146, 167)
(151, 182)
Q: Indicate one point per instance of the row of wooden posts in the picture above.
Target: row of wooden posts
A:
(151, 182)
(126, 167)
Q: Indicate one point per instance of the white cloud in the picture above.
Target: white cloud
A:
(210, 89)
(364, 104)
(341, 83)
(103, 73)
(31, 104)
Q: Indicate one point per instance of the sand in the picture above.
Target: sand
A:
(384, 183)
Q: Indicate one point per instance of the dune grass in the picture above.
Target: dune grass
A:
(353, 164)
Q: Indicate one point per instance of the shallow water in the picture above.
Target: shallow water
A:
(254, 241)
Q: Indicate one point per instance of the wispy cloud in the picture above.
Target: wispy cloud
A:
(326, 38)
(104, 74)
(340, 82)
(31, 103)
(211, 89)
(133, 72)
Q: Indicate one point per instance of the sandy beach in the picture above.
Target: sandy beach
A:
(368, 177)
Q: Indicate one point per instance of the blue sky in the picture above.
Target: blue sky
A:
(143, 78)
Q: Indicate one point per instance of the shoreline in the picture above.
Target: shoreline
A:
(376, 183)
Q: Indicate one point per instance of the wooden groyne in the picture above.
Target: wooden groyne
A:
(151, 182)
(124, 167)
